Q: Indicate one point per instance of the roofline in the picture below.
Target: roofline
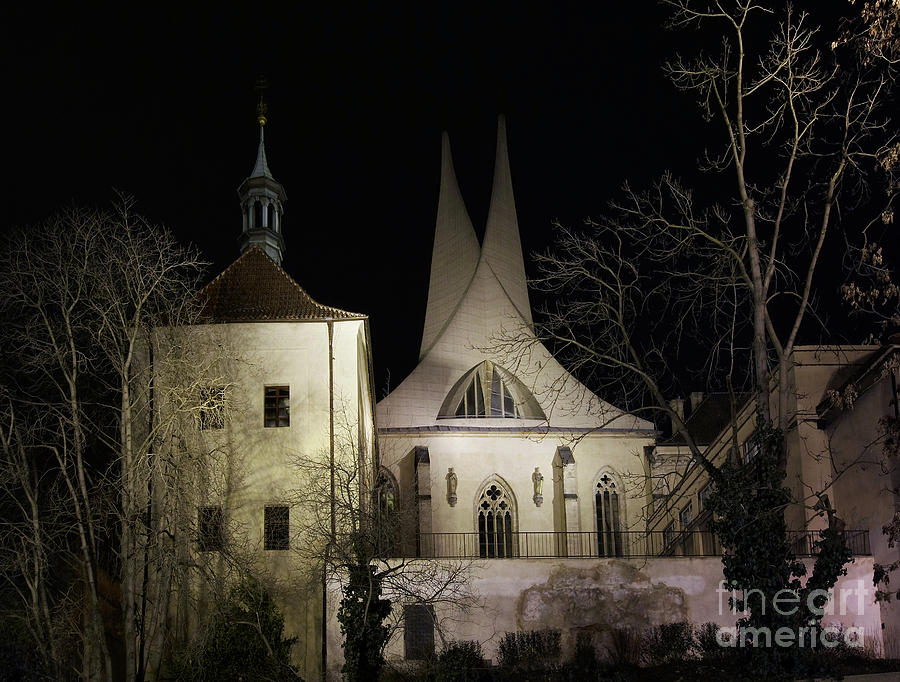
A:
(440, 428)
(825, 410)
(353, 318)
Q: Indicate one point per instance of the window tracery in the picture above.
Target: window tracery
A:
(496, 510)
(609, 531)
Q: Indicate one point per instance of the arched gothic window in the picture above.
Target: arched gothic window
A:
(496, 510)
(257, 215)
(388, 509)
(609, 531)
(488, 390)
(270, 210)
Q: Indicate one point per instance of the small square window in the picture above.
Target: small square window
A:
(210, 529)
(277, 528)
(418, 632)
(212, 408)
(669, 534)
(278, 406)
(703, 496)
(686, 516)
(750, 449)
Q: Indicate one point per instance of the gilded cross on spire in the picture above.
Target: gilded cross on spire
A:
(262, 84)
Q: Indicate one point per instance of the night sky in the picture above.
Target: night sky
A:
(159, 102)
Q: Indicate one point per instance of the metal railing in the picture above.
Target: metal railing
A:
(590, 544)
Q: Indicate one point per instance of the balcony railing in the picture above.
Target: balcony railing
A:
(587, 544)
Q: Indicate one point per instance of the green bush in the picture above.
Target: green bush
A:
(626, 647)
(670, 642)
(708, 644)
(532, 650)
(243, 640)
(461, 661)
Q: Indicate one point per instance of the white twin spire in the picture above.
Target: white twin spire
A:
(456, 254)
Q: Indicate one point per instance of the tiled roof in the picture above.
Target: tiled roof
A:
(254, 288)
(711, 416)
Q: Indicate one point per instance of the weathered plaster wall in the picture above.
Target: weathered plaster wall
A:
(597, 595)
(252, 466)
(864, 488)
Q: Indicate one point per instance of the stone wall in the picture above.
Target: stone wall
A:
(597, 595)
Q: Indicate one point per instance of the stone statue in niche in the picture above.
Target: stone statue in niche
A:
(451, 487)
(538, 479)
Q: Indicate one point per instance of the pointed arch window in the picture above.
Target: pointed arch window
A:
(488, 390)
(257, 215)
(609, 531)
(388, 508)
(496, 512)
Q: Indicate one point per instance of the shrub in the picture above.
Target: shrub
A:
(584, 664)
(670, 642)
(532, 650)
(460, 662)
(626, 647)
(243, 640)
(707, 642)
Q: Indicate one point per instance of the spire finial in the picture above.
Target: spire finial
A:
(262, 197)
(262, 84)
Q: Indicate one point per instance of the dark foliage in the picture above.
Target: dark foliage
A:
(529, 651)
(244, 640)
(362, 613)
(461, 661)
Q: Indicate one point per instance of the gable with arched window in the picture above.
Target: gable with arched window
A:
(488, 390)
(609, 516)
(496, 521)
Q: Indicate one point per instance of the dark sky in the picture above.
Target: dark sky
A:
(159, 102)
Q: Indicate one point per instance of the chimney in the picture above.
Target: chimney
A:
(696, 399)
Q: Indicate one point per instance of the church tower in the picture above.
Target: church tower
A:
(490, 447)
(488, 408)
(262, 200)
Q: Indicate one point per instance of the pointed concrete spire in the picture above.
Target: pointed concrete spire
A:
(502, 248)
(262, 199)
(454, 256)
(261, 169)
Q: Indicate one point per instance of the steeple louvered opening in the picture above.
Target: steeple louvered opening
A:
(488, 390)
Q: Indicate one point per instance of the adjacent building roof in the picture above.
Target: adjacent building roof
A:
(860, 381)
(255, 289)
(709, 419)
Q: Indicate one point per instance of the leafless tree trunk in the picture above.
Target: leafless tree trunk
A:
(90, 296)
(801, 133)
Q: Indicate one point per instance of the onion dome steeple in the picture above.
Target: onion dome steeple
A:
(262, 197)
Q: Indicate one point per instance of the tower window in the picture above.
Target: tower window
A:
(277, 406)
(277, 527)
(257, 215)
(270, 214)
(210, 529)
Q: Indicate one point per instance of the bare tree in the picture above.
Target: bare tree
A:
(99, 303)
(803, 134)
(349, 524)
(729, 278)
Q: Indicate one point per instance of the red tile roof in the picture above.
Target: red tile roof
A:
(254, 288)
